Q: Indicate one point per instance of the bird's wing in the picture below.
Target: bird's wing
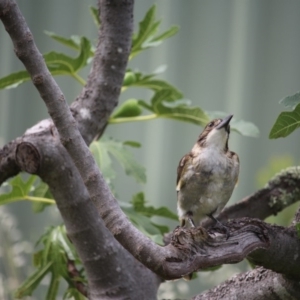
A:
(184, 162)
(235, 161)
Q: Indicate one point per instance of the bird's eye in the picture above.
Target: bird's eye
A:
(210, 124)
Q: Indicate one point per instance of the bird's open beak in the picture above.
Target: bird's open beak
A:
(224, 122)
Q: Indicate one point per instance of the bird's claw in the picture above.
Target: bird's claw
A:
(223, 228)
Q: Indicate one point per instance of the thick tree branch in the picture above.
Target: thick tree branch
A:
(8, 166)
(100, 95)
(283, 254)
(274, 247)
(254, 285)
(106, 262)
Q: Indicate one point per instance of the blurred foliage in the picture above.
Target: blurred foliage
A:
(104, 149)
(274, 165)
(15, 252)
(287, 121)
(29, 188)
(54, 258)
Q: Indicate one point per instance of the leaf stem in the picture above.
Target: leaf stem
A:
(28, 198)
(133, 119)
(39, 199)
(79, 78)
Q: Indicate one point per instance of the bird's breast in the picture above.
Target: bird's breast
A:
(209, 182)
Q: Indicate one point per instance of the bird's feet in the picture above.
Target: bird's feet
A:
(220, 226)
(189, 217)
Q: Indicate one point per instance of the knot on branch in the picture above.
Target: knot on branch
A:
(27, 157)
(189, 241)
(198, 248)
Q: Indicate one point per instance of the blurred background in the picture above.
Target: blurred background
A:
(240, 57)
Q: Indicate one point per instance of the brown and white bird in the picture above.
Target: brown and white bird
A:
(207, 175)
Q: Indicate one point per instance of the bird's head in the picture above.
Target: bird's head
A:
(216, 134)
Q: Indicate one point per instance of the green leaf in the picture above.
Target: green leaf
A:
(164, 106)
(14, 79)
(138, 202)
(104, 148)
(95, 14)
(157, 85)
(286, 123)
(84, 54)
(29, 189)
(127, 160)
(60, 63)
(103, 160)
(193, 115)
(144, 104)
(31, 283)
(138, 79)
(129, 78)
(19, 189)
(56, 249)
(146, 36)
(243, 127)
(144, 224)
(167, 34)
(162, 228)
(52, 258)
(291, 101)
(53, 287)
(42, 191)
(140, 215)
(147, 27)
(129, 108)
(73, 42)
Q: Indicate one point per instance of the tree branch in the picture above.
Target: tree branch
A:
(283, 254)
(106, 262)
(253, 285)
(8, 166)
(99, 97)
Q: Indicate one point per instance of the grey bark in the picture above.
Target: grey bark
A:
(257, 284)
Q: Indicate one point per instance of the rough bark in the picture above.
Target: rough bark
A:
(257, 284)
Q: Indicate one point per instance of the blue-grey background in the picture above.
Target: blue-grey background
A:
(236, 56)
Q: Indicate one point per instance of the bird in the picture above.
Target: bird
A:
(206, 176)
